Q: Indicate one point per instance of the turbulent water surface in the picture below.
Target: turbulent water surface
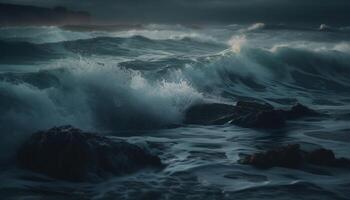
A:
(137, 82)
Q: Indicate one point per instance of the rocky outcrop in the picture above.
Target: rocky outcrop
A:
(71, 154)
(299, 111)
(209, 114)
(291, 156)
(245, 114)
(256, 115)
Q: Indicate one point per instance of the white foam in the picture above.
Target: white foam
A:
(43, 34)
(256, 26)
(237, 42)
(342, 47)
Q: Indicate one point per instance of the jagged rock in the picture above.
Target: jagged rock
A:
(291, 156)
(71, 154)
(245, 114)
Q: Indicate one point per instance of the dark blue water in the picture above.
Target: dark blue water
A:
(135, 83)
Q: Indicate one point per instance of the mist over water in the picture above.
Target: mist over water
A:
(140, 82)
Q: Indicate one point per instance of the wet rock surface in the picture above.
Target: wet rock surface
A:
(291, 156)
(256, 115)
(71, 154)
(245, 114)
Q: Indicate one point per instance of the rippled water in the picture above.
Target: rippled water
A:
(135, 83)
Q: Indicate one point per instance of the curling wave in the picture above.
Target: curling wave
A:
(114, 83)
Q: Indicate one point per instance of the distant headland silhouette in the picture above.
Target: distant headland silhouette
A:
(18, 15)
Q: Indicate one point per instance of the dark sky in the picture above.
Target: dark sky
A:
(209, 11)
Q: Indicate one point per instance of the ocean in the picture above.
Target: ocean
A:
(136, 83)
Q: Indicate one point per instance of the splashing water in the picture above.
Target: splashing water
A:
(135, 84)
(237, 42)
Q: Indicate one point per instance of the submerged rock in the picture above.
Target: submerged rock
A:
(71, 154)
(245, 114)
(291, 156)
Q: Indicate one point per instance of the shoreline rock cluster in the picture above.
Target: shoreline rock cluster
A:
(71, 154)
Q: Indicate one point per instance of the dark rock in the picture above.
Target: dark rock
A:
(298, 111)
(247, 114)
(341, 162)
(209, 114)
(71, 154)
(320, 157)
(291, 156)
(256, 115)
(254, 106)
(260, 119)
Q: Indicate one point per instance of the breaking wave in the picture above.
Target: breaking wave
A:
(133, 81)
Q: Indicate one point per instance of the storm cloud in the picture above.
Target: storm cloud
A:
(208, 11)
